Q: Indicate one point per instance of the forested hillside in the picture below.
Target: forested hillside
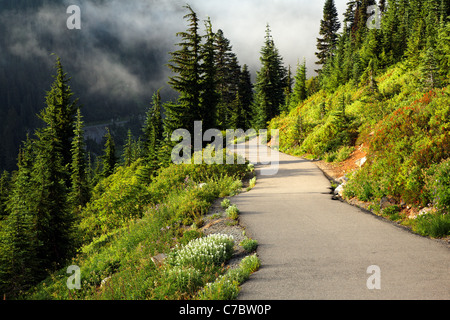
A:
(383, 92)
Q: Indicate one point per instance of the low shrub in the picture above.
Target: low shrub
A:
(251, 184)
(392, 213)
(438, 185)
(435, 225)
(249, 245)
(232, 212)
(226, 287)
(225, 203)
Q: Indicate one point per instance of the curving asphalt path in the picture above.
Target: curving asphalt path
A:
(312, 247)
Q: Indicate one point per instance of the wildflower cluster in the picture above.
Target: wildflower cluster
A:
(199, 253)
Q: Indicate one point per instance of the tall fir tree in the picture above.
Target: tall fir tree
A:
(60, 102)
(227, 79)
(5, 186)
(19, 264)
(186, 64)
(246, 98)
(153, 129)
(109, 155)
(270, 83)
(209, 97)
(359, 28)
(128, 150)
(80, 191)
(299, 92)
(288, 91)
(429, 68)
(54, 220)
(329, 27)
(443, 50)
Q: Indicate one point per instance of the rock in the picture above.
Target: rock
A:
(159, 259)
(104, 281)
(426, 210)
(342, 179)
(386, 202)
(340, 190)
(361, 162)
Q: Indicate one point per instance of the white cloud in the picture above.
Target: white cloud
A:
(152, 24)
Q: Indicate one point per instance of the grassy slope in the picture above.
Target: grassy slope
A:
(404, 129)
(128, 222)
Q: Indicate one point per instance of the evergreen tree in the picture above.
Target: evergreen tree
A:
(109, 155)
(395, 26)
(245, 97)
(299, 93)
(329, 26)
(209, 98)
(128, 150)
(186, 64)
(236, 115)
(80, 192)
(19, 267)
(5, 185)
(359, 28)
(270, 83)
(227, 79)
(383, 5)
(60, 105)
(288, 91)
(430, 70)
(53, 219)
(349, 17)
(443, 51)
(153, 130)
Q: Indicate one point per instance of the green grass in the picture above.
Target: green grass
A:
(433, 225)
(117, 249)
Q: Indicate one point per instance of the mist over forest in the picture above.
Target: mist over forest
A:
(118, 58)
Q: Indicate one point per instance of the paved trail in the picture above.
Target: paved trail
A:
(312, 247)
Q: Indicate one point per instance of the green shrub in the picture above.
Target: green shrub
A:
(344, 153)
(330, 156)
(250, 264)
(221, 289)
(438, 185)
(225, 203)
(433, 225)
(248, 244)
(392, 212)
(127, 222)
(115, 201)
(232, 212)
(251, 184)
(226, 287)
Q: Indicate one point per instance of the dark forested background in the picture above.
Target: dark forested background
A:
(113, 72)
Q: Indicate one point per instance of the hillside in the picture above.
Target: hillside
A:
(402, 130)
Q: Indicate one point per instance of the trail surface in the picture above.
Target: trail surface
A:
(312, 247)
